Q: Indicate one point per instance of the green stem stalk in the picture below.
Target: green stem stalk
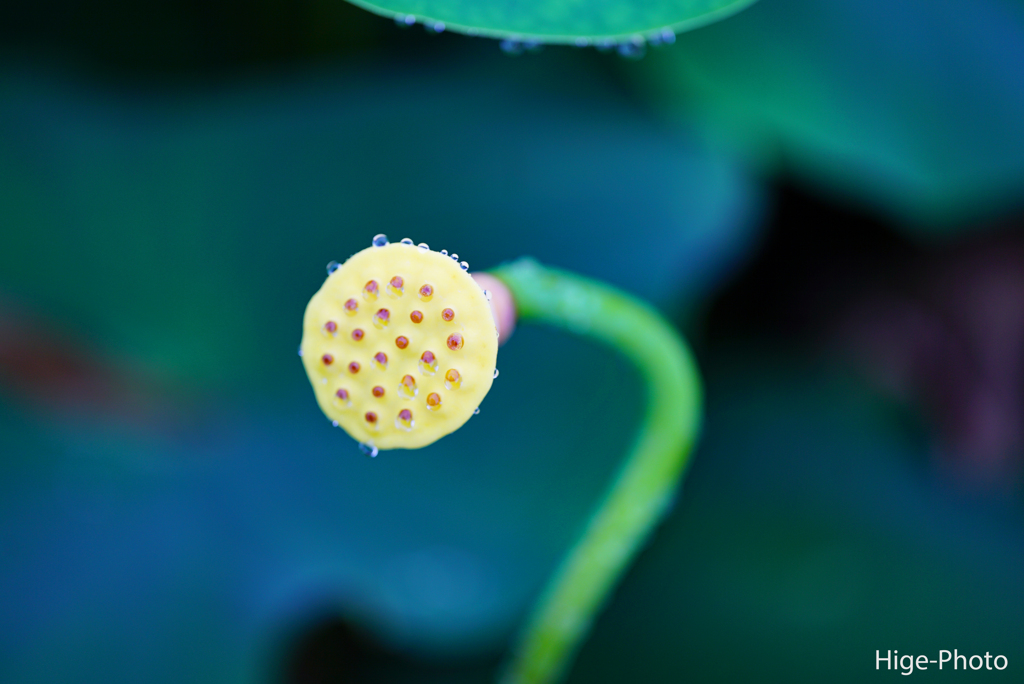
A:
(648, 478)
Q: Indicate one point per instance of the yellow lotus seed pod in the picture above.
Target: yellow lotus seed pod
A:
(386, 335)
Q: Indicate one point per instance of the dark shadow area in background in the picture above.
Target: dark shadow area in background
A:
(169, 38)
(330, 650)
(817, 256)
(935, 327)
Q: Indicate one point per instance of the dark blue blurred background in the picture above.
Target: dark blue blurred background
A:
(824, 196)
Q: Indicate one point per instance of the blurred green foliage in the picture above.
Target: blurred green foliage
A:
(176, 236)
(242, 190)
(908, 108)
(173, 178)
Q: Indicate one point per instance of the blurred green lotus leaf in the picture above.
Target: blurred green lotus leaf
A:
(560, 21)
(183, 231)
(476, 155)
(913, 108)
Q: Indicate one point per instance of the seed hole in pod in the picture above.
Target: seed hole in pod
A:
(447, 314)
(401, 341)
(407, 241)
(407, 387)
(357, 334)
(380, 359)
(332, 267)
(371, 419)
(381, 319)
(330, 329)
(341, 398)
(327, 359)
(380, 240)
(416, 316)
(368, 450)
(370, 291)
(378, 391)
(427, 292)
(452, 379)
(428, 363)
(351, 307)
(353, 367)
(455, 341)
(396, 286)
(404, 420)
(433, 401)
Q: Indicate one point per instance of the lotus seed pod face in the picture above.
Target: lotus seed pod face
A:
(384, 337)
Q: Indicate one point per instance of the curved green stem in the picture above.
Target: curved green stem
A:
(648, 478)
